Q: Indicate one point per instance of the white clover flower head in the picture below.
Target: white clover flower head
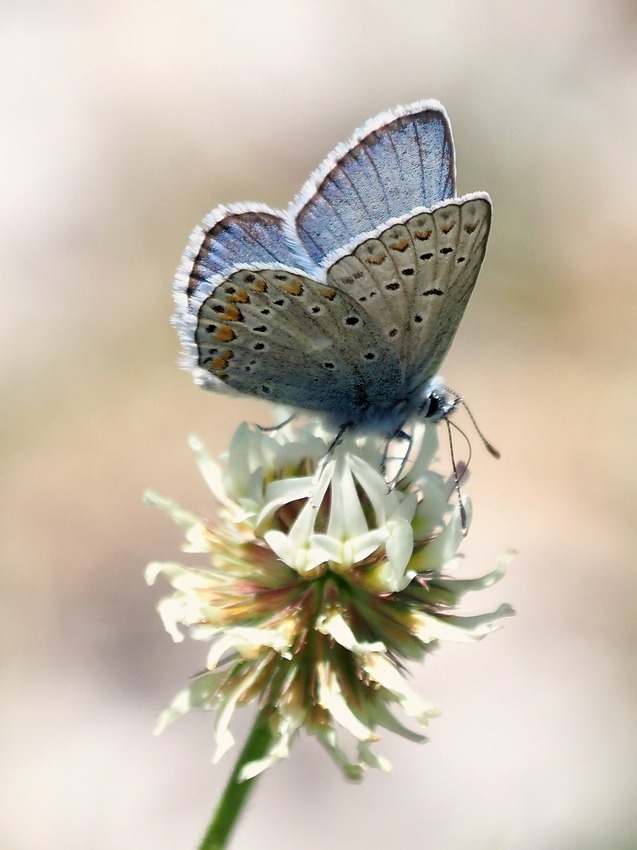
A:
(316, 592)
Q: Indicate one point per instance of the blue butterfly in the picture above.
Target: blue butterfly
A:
(345, 304)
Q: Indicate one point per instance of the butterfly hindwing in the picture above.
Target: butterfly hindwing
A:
(252, 232)
(279, 335)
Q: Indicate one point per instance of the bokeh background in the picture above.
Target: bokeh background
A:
(124, 124)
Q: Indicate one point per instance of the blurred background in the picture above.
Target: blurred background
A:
(124, 124)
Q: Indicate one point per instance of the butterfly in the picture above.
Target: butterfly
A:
(345, 304)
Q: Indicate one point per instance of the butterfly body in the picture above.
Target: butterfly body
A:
(346, 304)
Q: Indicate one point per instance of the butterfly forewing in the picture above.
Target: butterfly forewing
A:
(380, 274)
(445, 281)
(277, 334)
(415, 278)
(399, 161)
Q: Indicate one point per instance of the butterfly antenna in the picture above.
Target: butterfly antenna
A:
(488, 446)
(456, 480)
(463, 466)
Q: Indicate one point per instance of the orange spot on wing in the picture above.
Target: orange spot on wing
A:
(327, 292)
(240, 297)
(423, 235)
(232, 314)
(401, 245)
(376, 260)
(225, 334)
(295, 287)
(219, 363)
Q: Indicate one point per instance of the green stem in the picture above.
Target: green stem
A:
(236, 793)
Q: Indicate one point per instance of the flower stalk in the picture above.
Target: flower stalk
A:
(237, 791)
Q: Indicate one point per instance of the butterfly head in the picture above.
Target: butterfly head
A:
(437, 401)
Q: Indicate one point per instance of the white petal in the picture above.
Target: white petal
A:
(198, 695)
(350, 551)
(302, 557)
(209, 469)
(331, 698)
(399, 546)
(461, 586)
(425, 438)
(369, 757)
(223, 736)
(191, 524)
(460, 629)
(383, 717)
(297, 548)
(375, 488)
(279, 748)
(383, 672)
(335, 625)
(282, 492)
(346, 513)
(328, 738)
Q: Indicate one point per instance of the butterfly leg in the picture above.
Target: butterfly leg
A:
(338, 439)
(269, 428)
(399, 435)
